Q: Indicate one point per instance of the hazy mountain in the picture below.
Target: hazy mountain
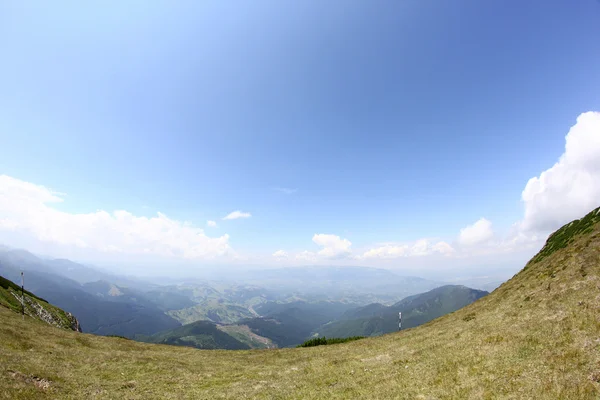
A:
(101, 308)
(377, 319)
(169, 301)
(77, 272)
(291, 323)
(106, 317)
(368, 311)
(23, 301)
(350, 284)
(312, 314)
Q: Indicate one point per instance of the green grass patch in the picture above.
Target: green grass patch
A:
(566, 235)
(323, 341)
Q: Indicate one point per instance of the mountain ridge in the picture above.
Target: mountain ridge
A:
(377, 319)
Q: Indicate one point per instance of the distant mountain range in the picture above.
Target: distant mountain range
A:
(377, 319)
(351, 284)
(289, 324)
(102, 308)
(266, 308)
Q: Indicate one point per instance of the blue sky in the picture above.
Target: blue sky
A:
(392, 120)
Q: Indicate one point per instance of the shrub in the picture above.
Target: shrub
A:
(322, 341)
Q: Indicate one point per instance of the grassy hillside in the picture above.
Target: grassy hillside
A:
(199, 334)
(282, 324)
(289, 324)
(376, 319)
(311, 313)
(535, 337)
(245, 335)
(211, 310)
(207, 335)
(35, 307)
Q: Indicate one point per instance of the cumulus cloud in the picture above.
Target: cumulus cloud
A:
(27, 208)
(237, 214)
(386, 251)
(571, 188)
(443, 248)
(332, 245)
(211, 224)
(477, 233)
(562, 193)
(280, 255)
(422, 247)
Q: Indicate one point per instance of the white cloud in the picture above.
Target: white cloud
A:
(333, 245)
(571, 188)
(386, 251)
(211, 224)
(443, 248)
(27, 208)
(422, 247)
(306, 256)
(285, 190)
(237, 214)
(477, 233)
(566, 191)
(280, 255)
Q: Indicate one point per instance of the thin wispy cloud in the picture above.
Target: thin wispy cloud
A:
(237, 215)
(285, 190)
(30, 209)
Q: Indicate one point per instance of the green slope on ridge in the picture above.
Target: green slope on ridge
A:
(12, 298)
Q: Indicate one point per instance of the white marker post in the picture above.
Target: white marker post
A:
(399, 321)
(23, 294)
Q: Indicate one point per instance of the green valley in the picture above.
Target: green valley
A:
(215, 310)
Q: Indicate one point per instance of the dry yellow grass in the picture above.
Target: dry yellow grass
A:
(536, 337)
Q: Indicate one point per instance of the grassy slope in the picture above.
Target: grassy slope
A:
(537, 337)
(53, 315)
(211, 310)
(246, 336)
(199, 334)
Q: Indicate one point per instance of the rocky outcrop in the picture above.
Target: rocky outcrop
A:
(49, 315)
(74, 322)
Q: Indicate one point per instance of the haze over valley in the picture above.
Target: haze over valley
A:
(261, 308)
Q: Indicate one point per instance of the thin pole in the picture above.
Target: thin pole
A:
(23, 294)
(399, 321)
